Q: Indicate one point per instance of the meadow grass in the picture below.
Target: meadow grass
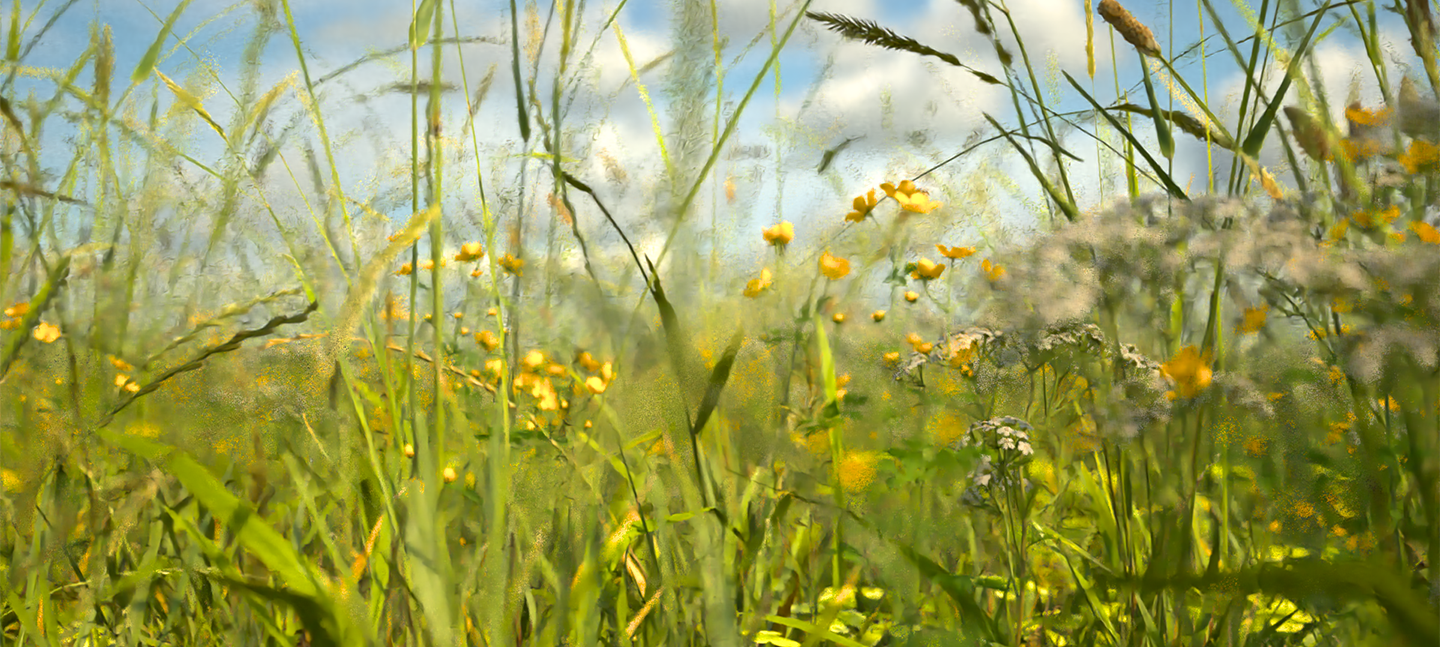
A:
(1172, 417)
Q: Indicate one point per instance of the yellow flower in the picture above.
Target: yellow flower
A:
(1367, 220)
(512, 265)
(857, 470)
(911, 296)
(47, 333)
(409, 450)
(839, 317)
(470, 252)
(955, 252)
(992, 270)
(404, 270)
(142, 429)
(729, 190)
(863, 205)
(427, 264)
(891, 357)
(449, 475)
(878, 316)
(120, 364)
(18, 310)
(10, 480)
(917, 202)
(533, 359)
(1422, 155)
(926, 270)
(1364, 117)
(587, 361)
(1425, 232)
(607, 373)
(1254, 319)
(595, 384)
(1189, 371)
(487, 339)
(756, 286)
(834, 267)
(780, 234)
(906, 187)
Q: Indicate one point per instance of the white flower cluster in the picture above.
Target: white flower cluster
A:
(1006, 444)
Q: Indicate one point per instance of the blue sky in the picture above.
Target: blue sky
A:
(932, 108)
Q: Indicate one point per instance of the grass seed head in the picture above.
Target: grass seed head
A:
(1133, 31)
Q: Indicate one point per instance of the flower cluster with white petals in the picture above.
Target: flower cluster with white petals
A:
(1006, 445)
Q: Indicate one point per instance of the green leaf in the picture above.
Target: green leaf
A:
(147, 62)
(421, 25)
(1256, 138)
(814, 630)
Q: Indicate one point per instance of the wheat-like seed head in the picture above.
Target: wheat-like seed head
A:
(1134, 32)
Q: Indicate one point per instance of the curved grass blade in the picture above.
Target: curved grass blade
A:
(147, 62)
(1256, 138)
(1170, 186)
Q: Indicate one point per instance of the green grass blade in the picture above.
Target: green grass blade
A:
(147, 62)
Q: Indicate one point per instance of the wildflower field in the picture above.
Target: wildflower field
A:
(501, 390)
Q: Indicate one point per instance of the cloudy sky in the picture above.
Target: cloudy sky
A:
(909, 112)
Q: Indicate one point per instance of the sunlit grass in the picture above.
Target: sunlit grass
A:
(1173, 416)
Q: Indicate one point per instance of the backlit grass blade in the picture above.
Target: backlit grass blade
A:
(1165, 180)
(147, 61)
(1256, 138)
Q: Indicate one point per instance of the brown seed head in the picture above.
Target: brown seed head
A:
(1132, 30)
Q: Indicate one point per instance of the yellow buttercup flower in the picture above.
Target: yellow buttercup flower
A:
(780, 234)
(891, 357)
(47, 333)
(878, 316)
(405, 270)
(834, 267)
(1189, 371)
(756, 286)
(18, 310)
(512, 265)
(1422, 155)
(955, 252)
(926, 270)
(595, 384)
(487, 339)
(1254, 319)
(992, 271)
(906, 187)
(839, 317)
(1367, 220)
(1425, 232)
(863, 205)
(470, 252)
(911, 296)
(917, 202)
